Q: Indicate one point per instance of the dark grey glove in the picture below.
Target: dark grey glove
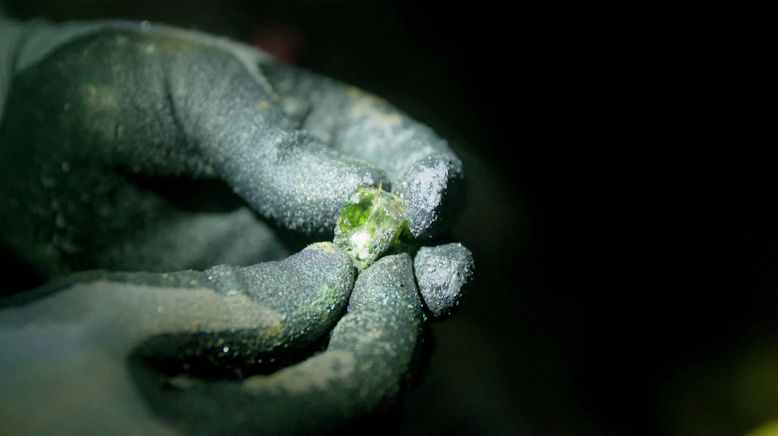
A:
(87, 352)
(94, 109)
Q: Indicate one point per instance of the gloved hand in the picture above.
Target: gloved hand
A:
(95, 108)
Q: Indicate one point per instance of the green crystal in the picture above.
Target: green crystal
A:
(370, 224)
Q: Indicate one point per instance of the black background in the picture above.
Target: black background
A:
(622, 201)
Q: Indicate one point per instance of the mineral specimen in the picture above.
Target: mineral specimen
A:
(370, 224)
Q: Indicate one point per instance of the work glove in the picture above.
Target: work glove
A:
(95, 115)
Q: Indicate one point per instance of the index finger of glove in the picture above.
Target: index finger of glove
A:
(239, 125)
(162, 101)
(420, 164)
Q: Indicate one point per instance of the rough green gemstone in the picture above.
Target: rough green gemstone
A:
(370, 224)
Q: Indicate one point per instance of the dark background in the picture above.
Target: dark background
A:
(622, 202)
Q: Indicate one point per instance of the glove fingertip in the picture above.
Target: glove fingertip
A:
(433, 190)
(442, 273)
(335, 261)
(306, 192)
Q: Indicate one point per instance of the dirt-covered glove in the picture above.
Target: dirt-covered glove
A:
(93, 109)
(199, 352)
